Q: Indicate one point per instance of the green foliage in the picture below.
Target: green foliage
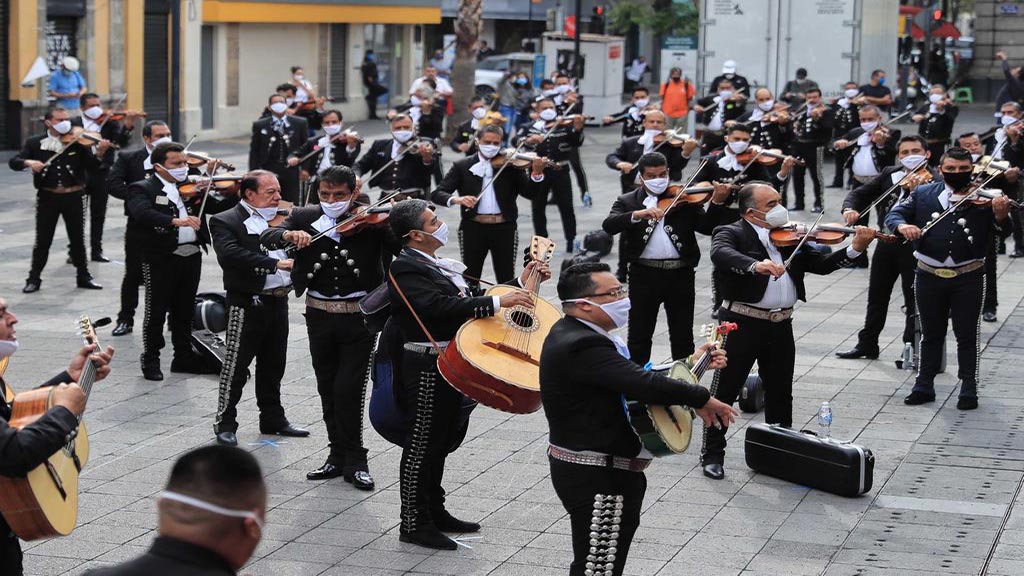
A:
(660, 18)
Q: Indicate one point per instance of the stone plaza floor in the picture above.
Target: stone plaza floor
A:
(947, 485)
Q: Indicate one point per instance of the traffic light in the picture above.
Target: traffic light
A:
(597, 20)
(552, 20)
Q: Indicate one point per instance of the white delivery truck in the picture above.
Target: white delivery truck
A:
(835, 40)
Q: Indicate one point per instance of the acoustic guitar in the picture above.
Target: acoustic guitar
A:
(667, 430)
(496, 360)
(44, 503)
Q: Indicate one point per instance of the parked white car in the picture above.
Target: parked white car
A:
(491, 70)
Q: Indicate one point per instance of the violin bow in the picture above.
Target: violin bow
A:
(401, 154)
(893, 188)
(376, 204)
(520, 147)
(801, 243)
(209, 186)
(953, 207)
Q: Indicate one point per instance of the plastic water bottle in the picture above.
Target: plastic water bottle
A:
(588, 201)
(825, 420)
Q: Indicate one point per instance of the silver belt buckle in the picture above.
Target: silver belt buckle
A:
(186, 250)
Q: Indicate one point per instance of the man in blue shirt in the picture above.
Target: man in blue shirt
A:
(67, 84)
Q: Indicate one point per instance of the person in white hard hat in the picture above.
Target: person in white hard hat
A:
(67, 84)
(739, 83)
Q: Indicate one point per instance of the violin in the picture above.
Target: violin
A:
(678, 194)
(672, 138)
(793, 234)
(372, 218)
(83, 137)
(989, 165)
(524, 160)
(198, 159)
(566, 120)
(779, 114)
(284, 209)
(118, 115)
(311, 105)
(766, 156)
(983, 197)
(225, 184)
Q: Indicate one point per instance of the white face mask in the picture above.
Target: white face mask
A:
(642, 102)
(617, 311)
(479, 113)
(868, 126)
(334, 209)
(332, 129)
(1006, 120)
(289, 101)
(278, 108)
(739, 146)
(158, 142)
(441, 234)
(548, 114)
(489, 151)
(912, 161)
(725, 94)
(656, 186)
(934, 98)
(299, 77)
(267, 213)
(777, 216)
(551, 92)
(93, 112)
(851, 92)
(62, 127)
(562, 89)
(177, 174)
(8, 348)
(651, 133)
(402, 136)
(767, 105)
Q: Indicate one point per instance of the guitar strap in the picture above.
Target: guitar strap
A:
(423, 327)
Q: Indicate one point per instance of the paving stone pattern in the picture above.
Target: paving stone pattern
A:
(946, 496)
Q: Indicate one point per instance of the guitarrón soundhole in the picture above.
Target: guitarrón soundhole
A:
(522, 319)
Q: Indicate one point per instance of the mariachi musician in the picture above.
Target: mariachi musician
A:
(94, 119)
(769, 122)
(891, 261)
(488, 205)
(662, 254)
(844, 110)
(950, 281)
(334, 271)
(935, 121)
(717, 109)
(400, 162)
(812, 129)
(274, 138)
(678, 151)
(257, 283)
(132, 167)
(872, 145)
(596, 458)
(430, 301)
(334, 148)
(761, 283)
(59, 163)
(172, 237)
(632, 116)
(464, 141)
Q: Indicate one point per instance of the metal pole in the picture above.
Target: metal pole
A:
(529, 25)
(577, 64)
(175, 83)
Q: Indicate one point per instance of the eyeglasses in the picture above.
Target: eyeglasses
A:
(620, 292)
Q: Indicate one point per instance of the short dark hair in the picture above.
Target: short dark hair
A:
(737, 127)
(296, 69)
(398, 117)
(815, 90)
(966, 135)
(217, 474)
(745, 197)
(332, 111)
(48, 115)
(87, 96)
(270, 99)
(285, 87)
(877, 72)
(643, 89)
(147, 128)
(561, 75)
(577, 280)
(407, 216)
(800, 71)
(337, 175)
(490, 129)
(913, 138)
(159, 155)
(475, 99)
(545, 99)
(956, 153)
(251, 181)
(651, 160)
(547, 82)
(725, 81)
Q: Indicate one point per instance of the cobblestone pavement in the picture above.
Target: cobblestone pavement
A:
(945, 486)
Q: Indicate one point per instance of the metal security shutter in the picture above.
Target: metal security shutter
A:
(156, 66)
(4, 82)
(339, 61)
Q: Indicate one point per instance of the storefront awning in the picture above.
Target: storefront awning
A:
(352, 12)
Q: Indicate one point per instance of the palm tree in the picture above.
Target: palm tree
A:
(467, 33)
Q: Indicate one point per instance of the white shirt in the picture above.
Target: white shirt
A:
(659, 245)
(1000, 144)
(636, 70)
(863, 163)
(647, 143)
(781, 292)
(326, 146)
(444, 88)
(944, 201)
(255, 224)
(186, 235)
(716, 119)
(487, 202)
(453, 269)
(728, 161)
(395, 147)
(89, 125)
